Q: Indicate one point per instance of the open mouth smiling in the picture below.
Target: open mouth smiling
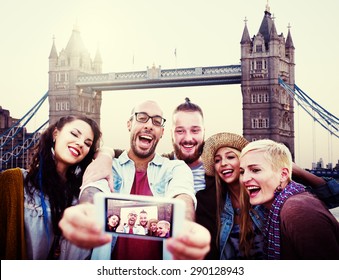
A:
(227, 171)
(253, 190)
(188, 146)
(146, 138)
(74, 151)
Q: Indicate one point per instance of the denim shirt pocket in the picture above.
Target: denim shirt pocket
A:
(161, 186)
(117, 183)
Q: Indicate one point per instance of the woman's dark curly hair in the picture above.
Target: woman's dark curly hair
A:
(60, 194)
(109, 227)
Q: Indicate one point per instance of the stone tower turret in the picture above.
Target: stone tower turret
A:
(267, 108)
(65, 98)
(97, 64)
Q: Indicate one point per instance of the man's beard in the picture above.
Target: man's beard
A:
(188, 158)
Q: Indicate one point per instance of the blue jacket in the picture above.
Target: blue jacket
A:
(227, 219)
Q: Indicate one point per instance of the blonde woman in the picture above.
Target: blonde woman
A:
(298, 226)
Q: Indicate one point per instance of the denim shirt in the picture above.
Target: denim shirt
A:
(39, 239)
(166, 178)
(227, 222)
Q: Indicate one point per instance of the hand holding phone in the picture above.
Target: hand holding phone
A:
(139, 216)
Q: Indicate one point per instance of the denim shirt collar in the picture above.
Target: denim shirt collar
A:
(157, 159)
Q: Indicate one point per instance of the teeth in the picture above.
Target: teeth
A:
(74, 150)
(188, 146)
(252, 188)
(146, 137)
(226, 171)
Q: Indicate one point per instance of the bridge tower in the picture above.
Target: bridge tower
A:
(267, 108)
(64, 96)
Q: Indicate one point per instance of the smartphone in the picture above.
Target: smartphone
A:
(138, 216)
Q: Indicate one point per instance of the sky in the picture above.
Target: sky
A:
(134, 35)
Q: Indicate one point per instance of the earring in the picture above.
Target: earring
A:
(52, 150)
(77, 170)
(53, 153)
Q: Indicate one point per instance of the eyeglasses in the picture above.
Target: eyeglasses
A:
(144, 117)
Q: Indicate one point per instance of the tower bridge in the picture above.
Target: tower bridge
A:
(266, 76)
(76, 82)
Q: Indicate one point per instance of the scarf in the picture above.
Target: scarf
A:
(272, 229)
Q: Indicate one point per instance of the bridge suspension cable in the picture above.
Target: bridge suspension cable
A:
(11, 132)
(318, 113)
(9, 137)
(23, 146)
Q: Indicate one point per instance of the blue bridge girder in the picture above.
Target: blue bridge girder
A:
(161, 78)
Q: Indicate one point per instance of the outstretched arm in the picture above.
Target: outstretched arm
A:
(193, 243)
(100, 167)
(78, 225)
(190, 211)
(326, 190)
(306, 178)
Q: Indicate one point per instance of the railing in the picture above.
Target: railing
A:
(155, 75)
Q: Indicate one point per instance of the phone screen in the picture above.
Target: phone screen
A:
(141, 218)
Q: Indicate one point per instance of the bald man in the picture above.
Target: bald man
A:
(140, 170)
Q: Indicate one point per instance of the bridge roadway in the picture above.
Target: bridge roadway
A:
(159, 78)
